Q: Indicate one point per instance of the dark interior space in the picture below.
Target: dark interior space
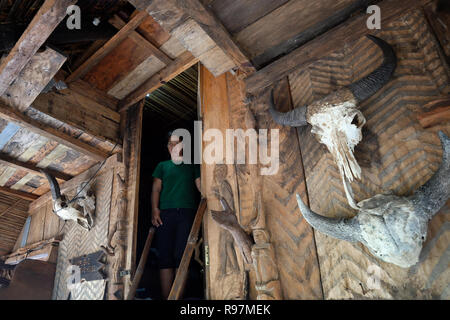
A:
(171, 107)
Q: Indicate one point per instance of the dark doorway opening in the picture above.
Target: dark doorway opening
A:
(172, 106)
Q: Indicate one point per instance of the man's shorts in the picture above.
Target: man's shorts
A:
(171, 237)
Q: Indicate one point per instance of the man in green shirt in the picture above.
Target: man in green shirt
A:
(173, 210)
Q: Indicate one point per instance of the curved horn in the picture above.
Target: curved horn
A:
(344, 229)
(433, 195)
(368, 86)
(294, 118)
(54, 186)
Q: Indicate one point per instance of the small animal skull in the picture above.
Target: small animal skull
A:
(79, 209)
(393, 228)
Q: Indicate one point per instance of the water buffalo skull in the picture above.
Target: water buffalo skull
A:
(336, 120)
(80, 209)
(392, 227)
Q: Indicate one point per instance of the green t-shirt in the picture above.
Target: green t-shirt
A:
(178, 184)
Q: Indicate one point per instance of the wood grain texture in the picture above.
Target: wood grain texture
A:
(51, 13)
(396, 154)
(107, 47)
(132, 161)
(226, 276)
(347, 32)
(136, 77)
(33, 125)
(236, 15)
(286, 22)
(33, 78)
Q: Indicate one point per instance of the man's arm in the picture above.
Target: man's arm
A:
(198, 183)
(156, 191)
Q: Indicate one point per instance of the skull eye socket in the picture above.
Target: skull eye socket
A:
(358, 121)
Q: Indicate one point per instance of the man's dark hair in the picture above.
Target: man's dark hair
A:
(169, 135)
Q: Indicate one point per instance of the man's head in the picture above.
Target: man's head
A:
(175, 146)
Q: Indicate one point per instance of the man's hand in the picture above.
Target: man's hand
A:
(156, 217)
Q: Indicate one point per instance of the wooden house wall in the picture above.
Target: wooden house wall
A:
(296, 266)
(77, 241)
(396, 154)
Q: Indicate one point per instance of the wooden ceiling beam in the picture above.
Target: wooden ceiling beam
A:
(180, 64)
(31, 168)
(172, 13)
(347, 32)
(19, 194)
(10, 114)
(118, 23)
(51, 13)
(121, 35)
(207, 20)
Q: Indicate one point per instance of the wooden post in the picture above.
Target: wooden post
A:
(132, 159)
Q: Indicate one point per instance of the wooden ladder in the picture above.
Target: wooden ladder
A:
(181, 276)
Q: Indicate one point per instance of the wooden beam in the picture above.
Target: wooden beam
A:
(51, 13)
(182, 63)
(347, 32)
(31, 168)
(132, 160)
(141, 41)
(20, 194)
(10, 114)
(218, 33)
(108, 46)
(170, 14)
(33, 78)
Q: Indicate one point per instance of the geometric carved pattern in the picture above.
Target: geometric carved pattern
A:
(78, 241)
(396, 154)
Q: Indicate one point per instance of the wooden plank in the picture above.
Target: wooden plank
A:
(85, 89)
(38, 72)
(78, 112)
(173, 48)
(108, 47)
(180, 279)
(20, 194)
(31, 168)
(118, 23)
(132, 161)
(44, 130)
(347, 32)
(37, 226)
(214, 28)
(152, 31)
(116, 65)
(286, 22)
(136, 77)
(51, 13)
(236, 15)
(182, 63)
(226, 272)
